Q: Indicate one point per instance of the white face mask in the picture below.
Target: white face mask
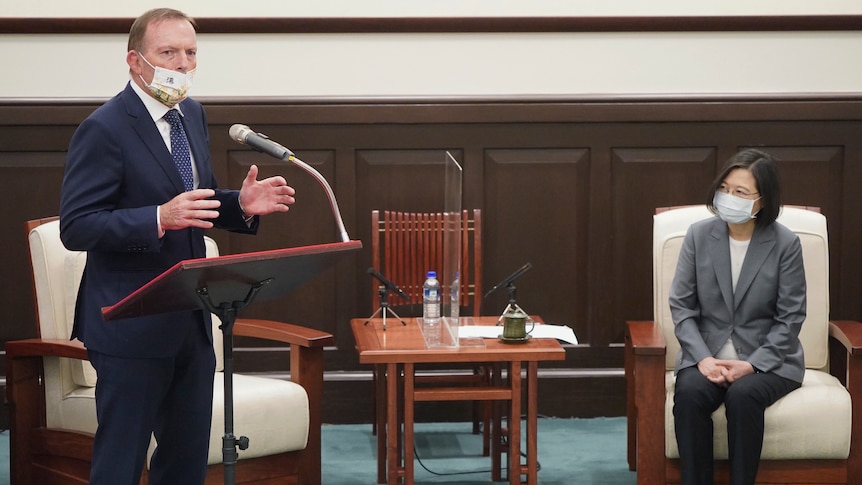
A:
(732, 209)
(169, 87)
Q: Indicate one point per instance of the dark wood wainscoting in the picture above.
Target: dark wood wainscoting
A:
(569, 185)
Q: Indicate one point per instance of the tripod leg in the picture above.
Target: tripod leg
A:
(508, 307)
(389, 310)
(376, 312)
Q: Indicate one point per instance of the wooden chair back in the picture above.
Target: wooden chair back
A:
(405, 245)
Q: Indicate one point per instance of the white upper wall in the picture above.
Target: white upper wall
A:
(435, 8)
(471, 64)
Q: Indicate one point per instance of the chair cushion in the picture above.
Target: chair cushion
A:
(83, 373)
(273, 414)
(77, 410)
(792, 430)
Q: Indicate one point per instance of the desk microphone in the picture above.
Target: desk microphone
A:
(373, 272)
(509, 279)
(246, 136)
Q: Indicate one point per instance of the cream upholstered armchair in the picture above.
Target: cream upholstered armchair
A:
(50, 389)
(813, 435)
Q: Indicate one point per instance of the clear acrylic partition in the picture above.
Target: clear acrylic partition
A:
(447, 334)
(452, 237)
(450, 308)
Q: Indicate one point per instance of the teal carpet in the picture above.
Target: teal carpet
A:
(571, 452)
(4, 457)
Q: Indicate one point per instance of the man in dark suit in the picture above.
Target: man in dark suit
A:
(138, 192)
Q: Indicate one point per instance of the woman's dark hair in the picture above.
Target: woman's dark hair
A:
(765, 173)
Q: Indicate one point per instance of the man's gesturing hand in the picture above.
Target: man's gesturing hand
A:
(260, 197)
(189, 209)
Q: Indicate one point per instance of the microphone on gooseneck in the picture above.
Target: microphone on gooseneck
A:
(260, 142)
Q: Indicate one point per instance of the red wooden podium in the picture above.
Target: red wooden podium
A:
(229, 278)
(225, 285)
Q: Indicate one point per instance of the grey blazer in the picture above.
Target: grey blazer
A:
(765, 314)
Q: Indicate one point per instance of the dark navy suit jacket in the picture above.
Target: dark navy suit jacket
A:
(118, 171)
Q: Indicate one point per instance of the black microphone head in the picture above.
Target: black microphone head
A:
(239, 133)
(371, 270)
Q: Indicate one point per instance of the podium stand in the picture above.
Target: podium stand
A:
(225, 286)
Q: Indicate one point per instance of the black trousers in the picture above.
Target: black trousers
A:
(696, 398)
(169, 397)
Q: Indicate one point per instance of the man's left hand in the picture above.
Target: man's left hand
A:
(261, 197)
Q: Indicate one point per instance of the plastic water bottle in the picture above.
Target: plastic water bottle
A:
(431, 298)
(431, 309)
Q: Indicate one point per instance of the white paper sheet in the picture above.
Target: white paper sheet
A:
(559, 332)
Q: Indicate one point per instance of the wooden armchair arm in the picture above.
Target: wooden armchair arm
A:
(37, 347)
(646, 338)
(848, 333)
(306, 349)
(25, 395)
(24, 373)
(645, 393)
(845, 350)
(282, 332)
(845, 363)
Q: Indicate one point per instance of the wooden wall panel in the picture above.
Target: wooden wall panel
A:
(644, 179)
(536, 202)
(568, 185)
(809, 175)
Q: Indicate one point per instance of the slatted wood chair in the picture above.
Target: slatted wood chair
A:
(50, 389)
(812, 435)
(404, 246)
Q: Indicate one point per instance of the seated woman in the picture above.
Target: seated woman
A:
(738, 303)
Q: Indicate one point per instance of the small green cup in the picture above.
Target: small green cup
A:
(515, 325)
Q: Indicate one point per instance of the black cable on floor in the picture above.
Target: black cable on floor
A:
(439, 474)
(504, 444)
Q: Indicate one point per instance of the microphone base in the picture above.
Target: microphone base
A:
(384, 310)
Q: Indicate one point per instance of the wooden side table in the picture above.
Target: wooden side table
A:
(400, 347)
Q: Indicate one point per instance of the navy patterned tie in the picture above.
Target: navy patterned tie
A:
(180, 150)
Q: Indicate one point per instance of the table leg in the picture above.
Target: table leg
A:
(515, 425)
(496, 426)
(380, 402)
(408, 423)
(392, 424)
(532, 430)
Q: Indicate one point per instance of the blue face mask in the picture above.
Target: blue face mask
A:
(732, 209)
